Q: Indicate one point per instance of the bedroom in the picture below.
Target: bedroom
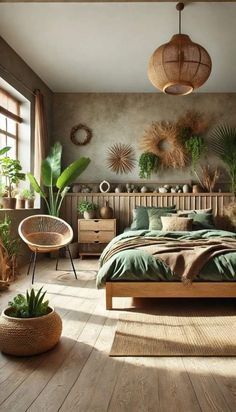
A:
(147, 167)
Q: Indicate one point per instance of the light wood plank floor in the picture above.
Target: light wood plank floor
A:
(78, 374)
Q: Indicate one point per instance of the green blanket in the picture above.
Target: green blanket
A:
(136, 265)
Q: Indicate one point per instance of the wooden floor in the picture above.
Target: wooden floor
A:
(78, 374)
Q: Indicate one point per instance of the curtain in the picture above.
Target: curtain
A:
(40, 134)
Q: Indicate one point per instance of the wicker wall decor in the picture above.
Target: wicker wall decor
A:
(120, 158)
(162, 140)
(179, 66)
(74, 134)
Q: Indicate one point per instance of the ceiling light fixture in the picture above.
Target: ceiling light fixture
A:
(180, 66)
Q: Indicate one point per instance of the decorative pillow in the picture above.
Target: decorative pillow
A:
(155, 218)
(202, 221)
(185, 213)
(141, 219)
(175, 223)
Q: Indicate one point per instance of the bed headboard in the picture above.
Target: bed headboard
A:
(124, 203)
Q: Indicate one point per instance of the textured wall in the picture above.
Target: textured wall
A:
(123, 118)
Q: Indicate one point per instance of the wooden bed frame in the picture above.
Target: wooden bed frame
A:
(169, 290)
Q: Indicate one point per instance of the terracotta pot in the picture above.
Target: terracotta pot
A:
(9, 202)
(91, 214)
(29, 336)
(29, 203)
(20, 204)
(106, 212)
(197, 189)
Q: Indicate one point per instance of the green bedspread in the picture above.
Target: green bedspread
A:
(136, 265)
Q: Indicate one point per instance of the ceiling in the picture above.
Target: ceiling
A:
(105, 47)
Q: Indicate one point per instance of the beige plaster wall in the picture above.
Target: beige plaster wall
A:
(123, 118)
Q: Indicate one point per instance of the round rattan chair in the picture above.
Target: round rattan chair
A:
(43, 234)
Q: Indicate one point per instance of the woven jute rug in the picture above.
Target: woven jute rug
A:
(178, 329)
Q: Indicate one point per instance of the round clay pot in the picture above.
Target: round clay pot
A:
(106, 212)
(90, 215)
(197, 189)
(29, 336)
(9, 202)
(20, 204)
(29, 203)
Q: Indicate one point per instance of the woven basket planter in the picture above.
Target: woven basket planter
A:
(29, 336)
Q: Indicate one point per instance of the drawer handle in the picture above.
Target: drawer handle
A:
(96, 241)
(96, 231)
(96, 221)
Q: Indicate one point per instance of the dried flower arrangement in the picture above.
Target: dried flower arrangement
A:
(120, 158)
(209, 178)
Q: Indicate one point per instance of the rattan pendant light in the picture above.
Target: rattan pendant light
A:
(180, 66)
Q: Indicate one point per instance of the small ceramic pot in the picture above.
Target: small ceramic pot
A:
(143, 189)
(186, 188)
(197, 189)
(9, 202)
(91, 214)
(29, 203)
(106, 212)
(20, 204)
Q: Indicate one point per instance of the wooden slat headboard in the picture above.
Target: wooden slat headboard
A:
(124, 203)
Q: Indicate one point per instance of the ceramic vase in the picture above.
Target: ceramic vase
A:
(106, 212)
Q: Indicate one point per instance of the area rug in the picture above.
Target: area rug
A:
(179, 329)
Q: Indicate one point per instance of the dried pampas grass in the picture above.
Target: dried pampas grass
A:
(194, 120)
(209, 178)
(161, 139)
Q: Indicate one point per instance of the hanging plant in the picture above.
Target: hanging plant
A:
(148, 163)
(196, 147)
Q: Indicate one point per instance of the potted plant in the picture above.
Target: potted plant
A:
(29, 326)
(12, 171)
(55, 180)
(9, 247)
(20, 200)
(148, 163)
(29, 197)
(88, 209)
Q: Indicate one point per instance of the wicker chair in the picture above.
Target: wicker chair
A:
(43, 234)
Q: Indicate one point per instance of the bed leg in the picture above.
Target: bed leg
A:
(108, 296)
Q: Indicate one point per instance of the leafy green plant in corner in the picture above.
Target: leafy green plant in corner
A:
(86, 207)
(10, 244)
(32, 305)
(148, 163)
(11, 169)
(56, 181)
(223, 144)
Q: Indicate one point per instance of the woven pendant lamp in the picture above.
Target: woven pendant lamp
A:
(180, 66)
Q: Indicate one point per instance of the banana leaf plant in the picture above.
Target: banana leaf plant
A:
(223, 144)
(56, 181)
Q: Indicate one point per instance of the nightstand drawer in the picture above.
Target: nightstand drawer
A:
(91, 236)
(97, 224)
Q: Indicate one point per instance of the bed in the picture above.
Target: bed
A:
(129, 270)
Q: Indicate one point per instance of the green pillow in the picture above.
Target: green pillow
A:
(202, 221)
(155, 215)
(141, 219)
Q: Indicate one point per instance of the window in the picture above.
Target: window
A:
(9, 121)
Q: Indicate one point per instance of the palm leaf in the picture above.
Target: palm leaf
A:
(51, 166)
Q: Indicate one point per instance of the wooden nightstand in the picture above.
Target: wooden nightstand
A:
(94, 235)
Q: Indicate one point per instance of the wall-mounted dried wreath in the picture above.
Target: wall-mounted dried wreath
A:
(162, 140)
(120, 158)
(75, 132)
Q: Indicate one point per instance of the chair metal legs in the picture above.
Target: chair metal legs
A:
(71, 260)
(34, 266)
(33, 259)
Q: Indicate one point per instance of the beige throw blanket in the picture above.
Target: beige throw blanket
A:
(185, 258)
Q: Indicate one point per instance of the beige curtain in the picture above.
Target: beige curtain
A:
(40, 134)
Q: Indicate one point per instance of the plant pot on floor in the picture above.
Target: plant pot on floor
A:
(9, 202)
(29, 336)
(91, 214)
